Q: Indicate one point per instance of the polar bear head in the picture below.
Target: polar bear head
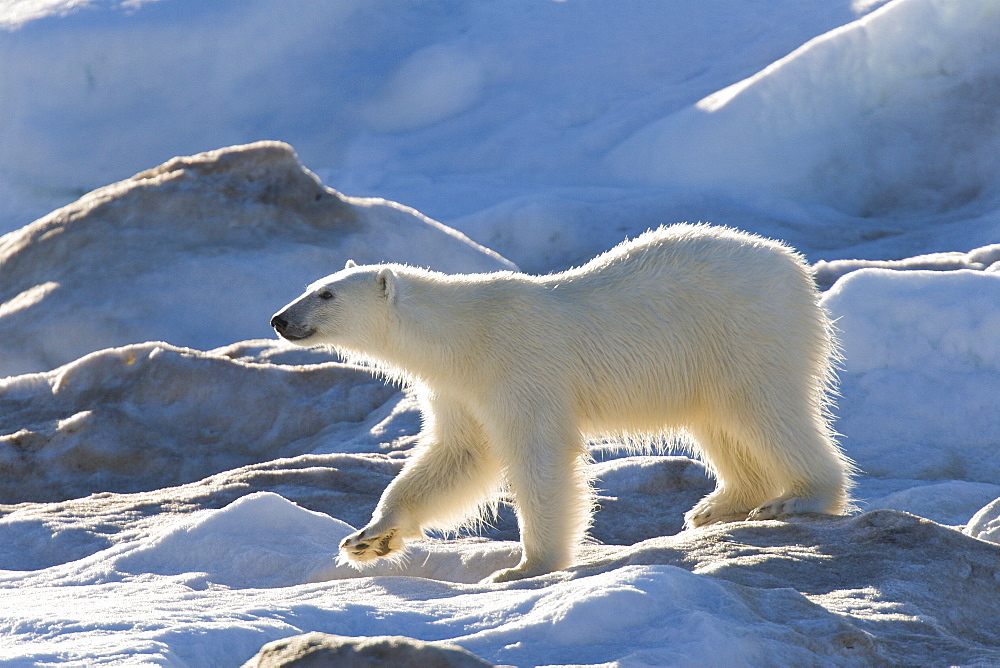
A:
(348, 310)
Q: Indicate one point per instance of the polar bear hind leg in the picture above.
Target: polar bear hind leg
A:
(740, 486)
(775, 463)
(810, 474)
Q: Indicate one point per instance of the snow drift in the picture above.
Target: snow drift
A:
(443, 106)
(895, 114)
(199, 252)
(921, 372)
(985, 259)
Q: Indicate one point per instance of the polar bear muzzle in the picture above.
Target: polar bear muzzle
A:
(290, 330)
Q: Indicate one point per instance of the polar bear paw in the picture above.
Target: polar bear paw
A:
(371, 544)
(714, 508)
(786, 505)
(518, 572)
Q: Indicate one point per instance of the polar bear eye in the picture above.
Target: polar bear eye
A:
(326, 294)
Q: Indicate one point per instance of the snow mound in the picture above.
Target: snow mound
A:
(986, 258)
(897, 319)
(200, 252)
(149, 415)
(952, 502)
(913, 340)
(894, 113)
(261, 540)
(37, 536)
(985, 525)
(441, 106)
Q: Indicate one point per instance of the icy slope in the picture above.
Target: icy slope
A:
(199, 251)
(896, 114)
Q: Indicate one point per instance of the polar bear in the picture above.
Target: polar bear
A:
(697, 329)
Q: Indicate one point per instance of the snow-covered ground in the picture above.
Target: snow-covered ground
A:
(156, 255)
(173, 484)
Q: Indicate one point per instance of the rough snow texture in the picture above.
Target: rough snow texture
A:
(809, 590)
(246, 556)
(155, 257)
(149, 415)
(844, 567)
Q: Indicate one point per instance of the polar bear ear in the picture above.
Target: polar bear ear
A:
(350, 263)
(386, 282)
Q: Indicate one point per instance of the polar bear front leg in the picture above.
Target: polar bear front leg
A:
(554, 502)
(447, 479)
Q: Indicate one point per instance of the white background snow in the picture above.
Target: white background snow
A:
(174, 485)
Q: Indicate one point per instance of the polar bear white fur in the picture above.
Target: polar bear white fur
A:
(693, 328)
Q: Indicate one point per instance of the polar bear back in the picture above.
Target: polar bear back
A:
(686, 317)
(652, 332)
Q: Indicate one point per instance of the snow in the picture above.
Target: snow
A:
(840, 121)
(869, 89)
(174, 482)
(260, 214)
(223, 582)
(123, 419)
(922, 356)
(985, 524)
(261, 540)
(495, 137)
(432, 85)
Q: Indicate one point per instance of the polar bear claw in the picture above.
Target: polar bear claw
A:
(364, 546)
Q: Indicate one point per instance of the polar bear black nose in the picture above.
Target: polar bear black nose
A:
(279, 323)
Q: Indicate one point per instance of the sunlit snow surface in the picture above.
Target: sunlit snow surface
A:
(180, 501)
